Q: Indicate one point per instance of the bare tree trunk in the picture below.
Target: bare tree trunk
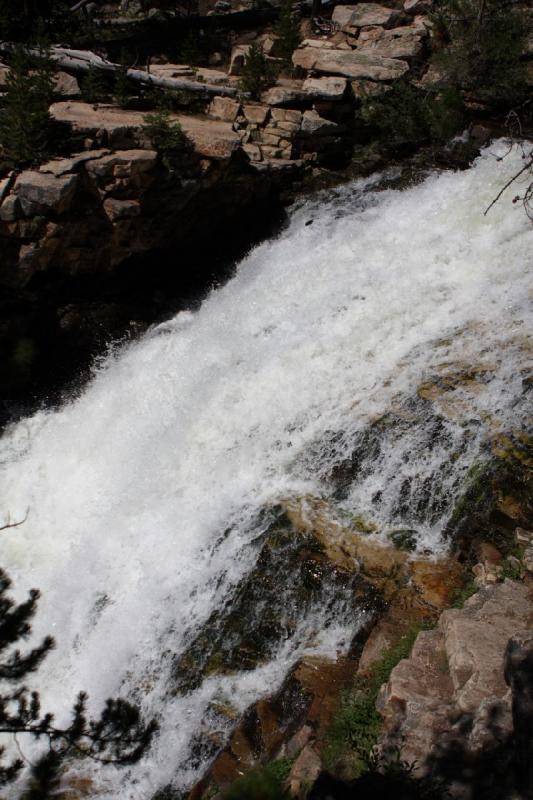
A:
(84, 60)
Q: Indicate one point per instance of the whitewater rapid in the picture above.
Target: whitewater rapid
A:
(215, 415)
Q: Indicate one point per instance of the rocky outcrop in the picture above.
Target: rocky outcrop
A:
(453, 697)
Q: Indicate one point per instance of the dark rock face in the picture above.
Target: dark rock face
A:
(292, 579)
(134, 245)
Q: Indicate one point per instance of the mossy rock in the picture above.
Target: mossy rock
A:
(496, 498)
(292, 576)
(404, 539)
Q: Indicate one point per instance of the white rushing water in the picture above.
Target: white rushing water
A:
(216, 414)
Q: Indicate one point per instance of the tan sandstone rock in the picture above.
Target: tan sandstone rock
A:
(38, 192)
(350, 64)
(456, 672)
(351, 17)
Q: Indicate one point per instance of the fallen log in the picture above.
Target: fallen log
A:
(84, 60)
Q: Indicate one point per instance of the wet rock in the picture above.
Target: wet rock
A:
(297, 742)
(363, 14)
(292, 576)
(350, 64)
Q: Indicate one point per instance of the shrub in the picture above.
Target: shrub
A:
(407, 116)
(190, 52)
(262, 783)
(355, 728)
(483, 44)
(93, 86)
(165, 136)
(25, 123)
(287, 29)
(122, 82)
(257, 73)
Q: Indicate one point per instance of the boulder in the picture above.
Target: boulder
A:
(62, 166)
(350, 18)
(210, 138)
(287, 115)
(121, 209)
(363, 89)
(284, 96)
(216, 77)
(315, 125)
(4, 72)
(454, 685)
(10, 209)
(414, 7)
(325, 88)
(405, 43)
(66, 85)
(224, 108)
(350, 64)
(238, 57)
(256, 113)
(304, 772)
(476, 637)
(42, 193)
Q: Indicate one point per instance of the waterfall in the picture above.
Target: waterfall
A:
(145, 494)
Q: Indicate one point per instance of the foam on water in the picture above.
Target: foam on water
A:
(215, 414)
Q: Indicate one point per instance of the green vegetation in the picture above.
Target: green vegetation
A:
(25, 122)
(118, 736)
(407, 116)
(93, 86)
(511, 569)
(462, 595)
(122, 88)
(355, 727)
(482, 43)
(190, 52)
(257, 73)
(287, 29)
(404, 539)
(165, 136)
(263, 783)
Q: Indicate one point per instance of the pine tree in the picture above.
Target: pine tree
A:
(257, 73)
(165, 136)
(122, 83)
(287, 29)
(93, 86)
(25, 123)
(118, 736)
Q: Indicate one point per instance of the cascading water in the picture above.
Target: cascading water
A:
(145, 494)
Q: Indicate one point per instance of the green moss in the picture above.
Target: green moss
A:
(404, 539)
(356, 726)
(263, 783)
(510, 569)
(462, 595)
